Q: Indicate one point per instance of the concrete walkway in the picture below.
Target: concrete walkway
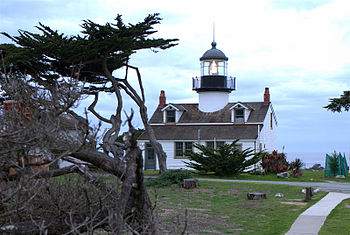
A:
(311, 220)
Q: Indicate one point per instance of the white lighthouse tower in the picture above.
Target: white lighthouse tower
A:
(214, 86)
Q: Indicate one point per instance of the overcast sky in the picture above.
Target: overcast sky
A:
(299, 49)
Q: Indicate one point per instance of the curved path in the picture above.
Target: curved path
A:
(328, 187)
(311, 220)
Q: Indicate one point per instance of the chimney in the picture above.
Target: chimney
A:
(10, 105)
(267, 96)
(162, 99)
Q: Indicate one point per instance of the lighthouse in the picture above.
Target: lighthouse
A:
(213, 86)
(213, 121)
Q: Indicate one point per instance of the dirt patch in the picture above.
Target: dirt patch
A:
(233, 191)
(235, 229)
(247, 204)
(203, 202)
(197, 190)
(247, 213)
(164, 212)
(197, 209)
(295, 203)
(296, 200)
(198, 221)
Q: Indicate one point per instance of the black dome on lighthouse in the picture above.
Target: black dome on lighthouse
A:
(213, 53)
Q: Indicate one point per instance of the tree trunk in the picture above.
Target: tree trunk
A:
(161, 155)
(133, 209)
(141, 206)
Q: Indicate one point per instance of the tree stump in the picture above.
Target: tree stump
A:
(308, 194)
(190, 183)
(256, 196)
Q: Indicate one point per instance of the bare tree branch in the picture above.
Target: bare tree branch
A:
(91, 108)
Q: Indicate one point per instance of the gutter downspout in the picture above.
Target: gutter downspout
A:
(199, 135)
(258, 139)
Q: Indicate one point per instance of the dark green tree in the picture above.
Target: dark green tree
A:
(225, 160)
(47, 73)
(340, 104)
(48, 57)
(333, 163)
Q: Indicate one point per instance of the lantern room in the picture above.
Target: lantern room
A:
(213, 62)
(213, 72)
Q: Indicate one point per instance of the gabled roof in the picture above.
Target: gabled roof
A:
(177, 107)
(220, 132)
(194, 115)
(245, 106)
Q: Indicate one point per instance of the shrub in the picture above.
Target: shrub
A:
(225, 160)
(256, 171)
(317, 167)
(274, 163)
(170, 177)
(296, 166)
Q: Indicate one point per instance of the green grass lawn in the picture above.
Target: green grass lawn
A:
(308, 176)
(222, 207)
(338, 221)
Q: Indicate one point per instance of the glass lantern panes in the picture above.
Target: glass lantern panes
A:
(213, 68)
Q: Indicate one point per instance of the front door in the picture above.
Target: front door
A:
(150, 158)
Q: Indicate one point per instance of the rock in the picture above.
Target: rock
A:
(283, 175)
(340, 177)
(279, 195)
(303, 191)
(311, 179)
(316, 190)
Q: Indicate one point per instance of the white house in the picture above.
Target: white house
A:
(213, 121)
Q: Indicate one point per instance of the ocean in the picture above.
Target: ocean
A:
(311, 158)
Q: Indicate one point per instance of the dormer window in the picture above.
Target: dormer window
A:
(170, 116)
(172, 113)
(240, 112)
(239, 115)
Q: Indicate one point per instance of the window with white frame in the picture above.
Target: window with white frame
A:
(239, 115)
(181, 148)
(214, 144)
(239, 147)
(170, 116)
